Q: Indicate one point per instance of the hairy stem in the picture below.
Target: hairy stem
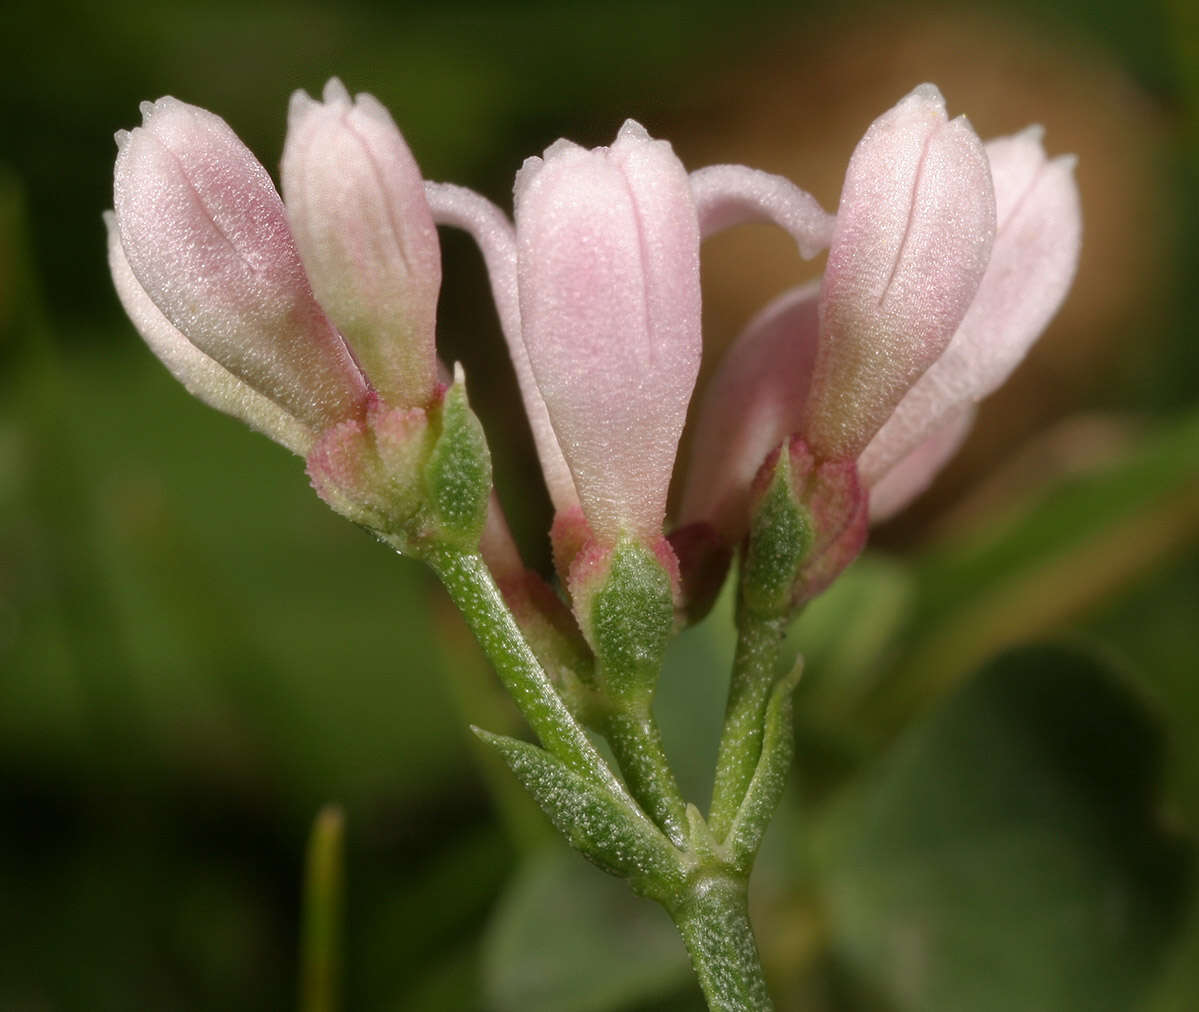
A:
(753, 677)
(714, 923)
(470, 585)
(637, 744)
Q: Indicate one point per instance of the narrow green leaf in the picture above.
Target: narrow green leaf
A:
(607, 829)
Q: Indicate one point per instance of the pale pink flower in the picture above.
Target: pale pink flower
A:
(206, 264)
(206, 240)
(1032, 265)
(608, 280)
(597, 290)
(919, 315)
(913, 236)
(203, 376)
(357, 207)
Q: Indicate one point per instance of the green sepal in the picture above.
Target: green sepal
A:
(770, 776)
(630, 619)
(610, 831)
(458, 472)
(780, 538)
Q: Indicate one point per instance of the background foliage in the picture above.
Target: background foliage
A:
(195, 655)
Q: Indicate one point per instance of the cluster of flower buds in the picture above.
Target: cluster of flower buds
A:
(313, 317)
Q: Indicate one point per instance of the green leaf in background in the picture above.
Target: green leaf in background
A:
(1041, 562)
(1006, 852)
(568, 938)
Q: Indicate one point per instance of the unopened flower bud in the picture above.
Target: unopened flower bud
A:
(205, 236)
(608, 270)
(357, 206)
(1037, 237)
(203, 377)
(912, 240)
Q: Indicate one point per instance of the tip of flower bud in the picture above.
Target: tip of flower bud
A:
(927, 92)
(525, 174)
(335, 92)
(110, 220)
(1034, 132)
(299, 104)
(1064, 162)
(367, 105)
(156, 108)
(630, 129)
(122, 138)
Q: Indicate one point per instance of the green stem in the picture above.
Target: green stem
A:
(714, 923)
(320, 948)
(753, 678)
(471, 587)
(637, 744)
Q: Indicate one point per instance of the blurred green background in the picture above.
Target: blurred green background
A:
(195, 654)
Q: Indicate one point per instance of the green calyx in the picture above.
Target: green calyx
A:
(458, 473)
(780, 539)
(629, 619)
(418, 478)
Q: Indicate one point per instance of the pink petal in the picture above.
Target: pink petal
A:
(913, 473)
(753, 401)
(202, 376)
(207, 238)
(1031, 268)
(492, 232)
(608, 271)
(356, 203)
(728, 195)
(913, 236)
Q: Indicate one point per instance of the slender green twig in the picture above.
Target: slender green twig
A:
(470, 585)
(758, 644)
(637, 744)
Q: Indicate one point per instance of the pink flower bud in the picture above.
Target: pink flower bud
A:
(913, 236)
(205, 236)
(608, 274)
(202, 376)
(356, 203)
(1031, 267)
